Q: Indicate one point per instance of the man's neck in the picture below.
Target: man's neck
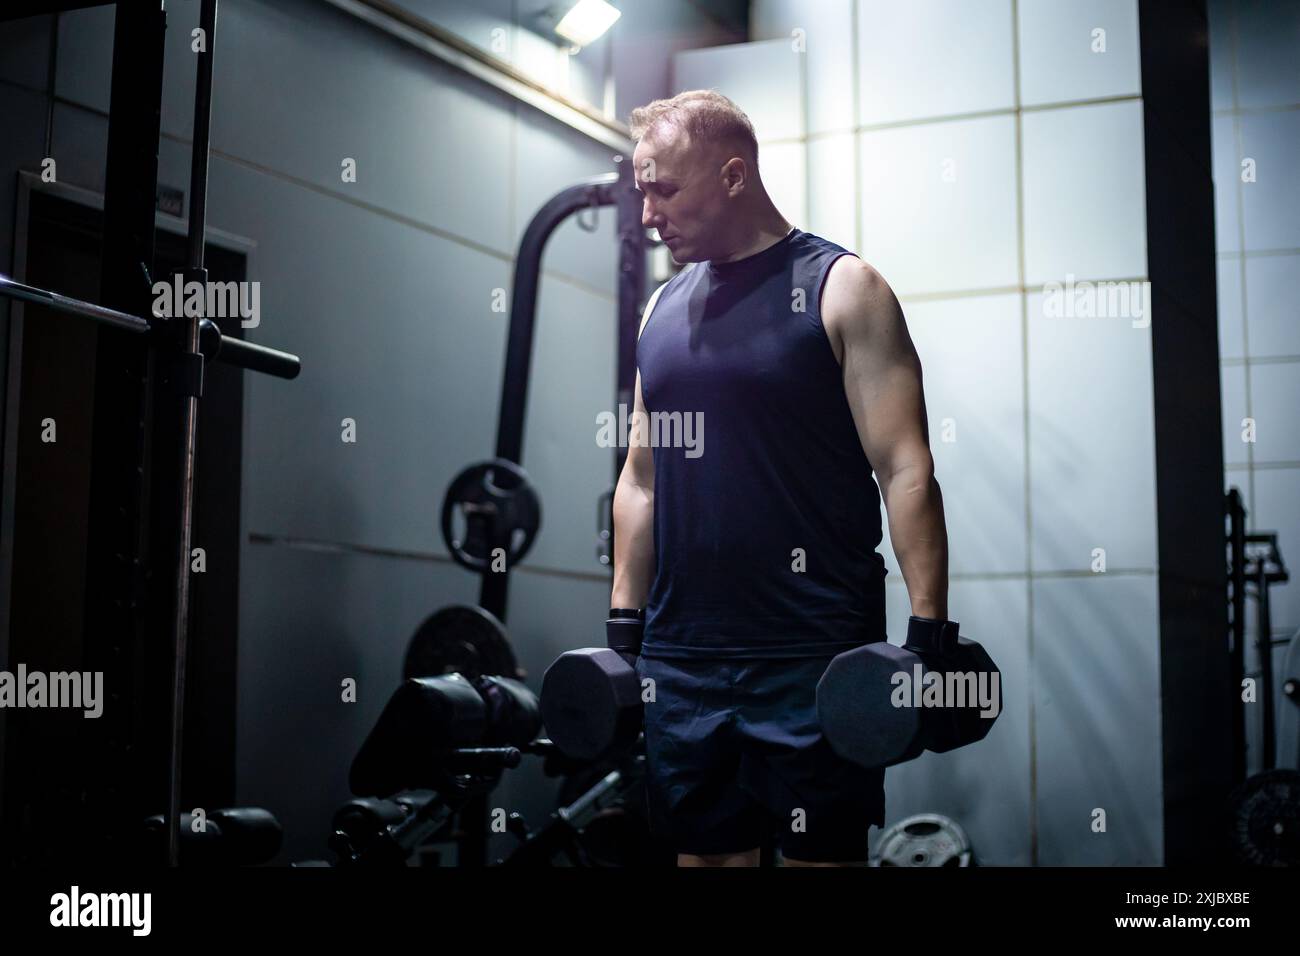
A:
(769, 234)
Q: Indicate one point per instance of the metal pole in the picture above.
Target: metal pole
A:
(597, 191)
(29, 293)
(216, 347)
(190, 362)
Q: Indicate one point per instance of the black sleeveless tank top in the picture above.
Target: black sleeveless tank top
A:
(766, 515)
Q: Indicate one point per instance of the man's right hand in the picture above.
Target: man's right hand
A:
(623, 631)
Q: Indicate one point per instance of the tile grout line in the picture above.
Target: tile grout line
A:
(328, 546)
(1024, 392)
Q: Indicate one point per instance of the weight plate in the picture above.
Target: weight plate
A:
(497, 507)
(1266, 819)
(927, 839)
(464, 639)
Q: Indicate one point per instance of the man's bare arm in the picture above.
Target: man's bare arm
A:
(882, 380)
(634, 508)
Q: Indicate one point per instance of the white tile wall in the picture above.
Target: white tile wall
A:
(938, 204)
(972, 359)
(1095, 684)
(827, 34)
(933, 58)
(1084, 192)
(832, 189)
(764, 79)
(1232, 385)
(1273, 306)
(1271, 205)
(1091, 456)
(783, 167)
(1226, 169)
(1274, 398)
(1232, 343)
(1063, 58)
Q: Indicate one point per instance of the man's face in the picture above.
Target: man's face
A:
(686, 193)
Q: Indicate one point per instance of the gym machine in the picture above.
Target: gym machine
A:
(491, 512)
(1264, 808)
(498, 506)
(141, 356)
(443, 742)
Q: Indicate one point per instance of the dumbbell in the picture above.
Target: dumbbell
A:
(867, 698)
(231, 836)
(591, 697)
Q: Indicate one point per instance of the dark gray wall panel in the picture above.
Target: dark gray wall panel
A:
(80, 146)
(21, 147)
(572, 381)
(395, 330)
(549, 158)
(472, 22)
(84, 70)
(430, 143)
(308, 620)
(25, 52)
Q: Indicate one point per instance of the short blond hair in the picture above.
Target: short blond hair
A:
(705, 116)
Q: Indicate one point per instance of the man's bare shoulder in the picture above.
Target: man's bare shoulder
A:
(854, 295)
(650, 306)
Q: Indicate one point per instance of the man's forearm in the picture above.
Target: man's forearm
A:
(914, 506)
(634, 554)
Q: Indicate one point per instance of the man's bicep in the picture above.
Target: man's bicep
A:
(640, 459)
(883, 382)
(640, 466)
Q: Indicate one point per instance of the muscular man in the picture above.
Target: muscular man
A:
(751, 555)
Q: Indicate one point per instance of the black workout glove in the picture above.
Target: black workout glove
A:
(933, 639)
(623, 631)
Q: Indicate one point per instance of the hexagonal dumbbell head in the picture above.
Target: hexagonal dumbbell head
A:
(856, 709)
(591, 703)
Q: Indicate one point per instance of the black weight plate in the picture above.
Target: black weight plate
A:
(1266, 819)
(461, 638)
(499, 508)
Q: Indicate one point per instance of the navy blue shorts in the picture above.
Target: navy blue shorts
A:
(735, 755)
